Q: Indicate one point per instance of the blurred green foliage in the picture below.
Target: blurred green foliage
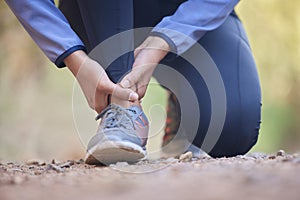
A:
(36, 118)
(273, 28)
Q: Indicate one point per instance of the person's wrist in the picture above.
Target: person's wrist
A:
(152, 51)
(75, 60)
(158, 43)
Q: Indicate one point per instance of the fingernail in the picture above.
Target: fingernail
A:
(125, 83)
(133, 96)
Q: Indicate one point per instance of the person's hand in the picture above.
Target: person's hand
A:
(95, 83)
(147, 56)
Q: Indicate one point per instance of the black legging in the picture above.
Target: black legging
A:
(228, 46)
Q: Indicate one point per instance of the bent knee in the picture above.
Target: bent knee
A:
(233, 144)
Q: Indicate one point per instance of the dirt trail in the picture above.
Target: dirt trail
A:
(256, 176)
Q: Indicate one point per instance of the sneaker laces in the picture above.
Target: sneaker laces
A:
(115, 116)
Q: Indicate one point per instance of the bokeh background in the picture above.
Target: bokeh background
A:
(43, 114)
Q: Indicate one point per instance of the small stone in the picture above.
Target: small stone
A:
(55, 162)
(250, 158)
(186, 156)
(200, 154)
(67, 164)
(81, 161)
(31, 167)
(122, 164)
(280, 153)
(72, 162)
(257, 155)
(55, 168)
(271, 157)
(35, 162)
(241, 157)
(16, 170)
(32, 162)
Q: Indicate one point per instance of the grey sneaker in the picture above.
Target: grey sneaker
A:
(121, 136)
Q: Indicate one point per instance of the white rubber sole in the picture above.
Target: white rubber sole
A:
(114, 151)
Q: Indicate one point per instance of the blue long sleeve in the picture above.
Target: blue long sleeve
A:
(191, 21)
(48, 28)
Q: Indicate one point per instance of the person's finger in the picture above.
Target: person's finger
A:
(122, 93)
(130, 81)
(125, 83)
(141, 90)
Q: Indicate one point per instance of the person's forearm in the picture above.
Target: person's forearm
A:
(48, 28)
(147, 57)
(95, 83)
(152, 50)
(75, 60)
